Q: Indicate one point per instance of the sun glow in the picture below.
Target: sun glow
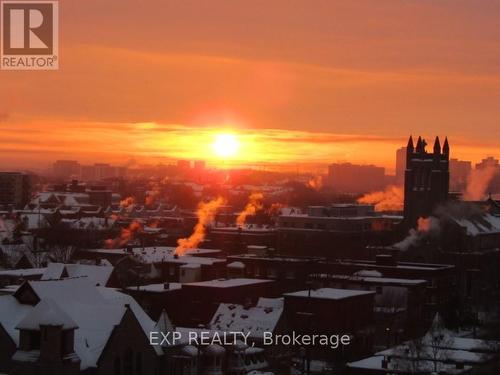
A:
(225, 145)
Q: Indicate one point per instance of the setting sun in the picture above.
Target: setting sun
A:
(225, 145)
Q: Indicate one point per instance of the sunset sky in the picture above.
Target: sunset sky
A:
(321, 81)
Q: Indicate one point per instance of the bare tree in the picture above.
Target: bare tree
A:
(439, 341)
(61, 253)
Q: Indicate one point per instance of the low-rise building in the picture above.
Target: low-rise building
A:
(339, 230)
(329, 311)
(202, 299)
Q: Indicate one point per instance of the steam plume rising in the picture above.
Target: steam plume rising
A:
(126, 235)
(391, 199)
(206, 215)
(254, 204)
(425, 227)
(315, 182)
(275, 209)
(477, 183)
(153, 194)
(127, 202)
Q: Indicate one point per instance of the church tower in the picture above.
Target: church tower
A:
(426, 179)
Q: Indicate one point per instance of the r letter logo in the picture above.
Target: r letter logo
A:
(29, 35)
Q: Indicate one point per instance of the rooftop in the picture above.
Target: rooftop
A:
(255, 320)
(372, 279)
(329, 293)
(156, 288)
(160, 254)
(82, 308)
(228, 283)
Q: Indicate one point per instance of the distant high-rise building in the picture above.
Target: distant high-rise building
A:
(488, 162)
(66, 168)
(459, 171)
(102, 171)
(400, 165)
(426, 179)
(15, 189)
(199, 165)
(352, 178)
(494, 183)
(87, 173)
(183, 164)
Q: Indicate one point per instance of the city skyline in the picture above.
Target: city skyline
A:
(216, 187)
(334, 80)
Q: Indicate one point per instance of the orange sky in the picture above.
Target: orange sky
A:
(323, 81)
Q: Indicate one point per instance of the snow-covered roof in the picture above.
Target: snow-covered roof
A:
(46, 313)
(11, 313)
(34, 221)
(26, 272)
(90, 223)
(54, 271)
(160, 254)
(253, 320)
(369, 273)
(156, 288)
(246, 228)
(7, 227)
(371, 280)
(329, 293)
(95, 310)
(191, 266)
(374, 363)
(483, 224)
(399, 265)
(96, 274)
(70, 199)
(271, 302)
(229, 283)
(446, 350)
(13, 253)
(237, 265)
(164, 324)
(214, 349)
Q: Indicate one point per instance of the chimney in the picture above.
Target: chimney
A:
(395, 255)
